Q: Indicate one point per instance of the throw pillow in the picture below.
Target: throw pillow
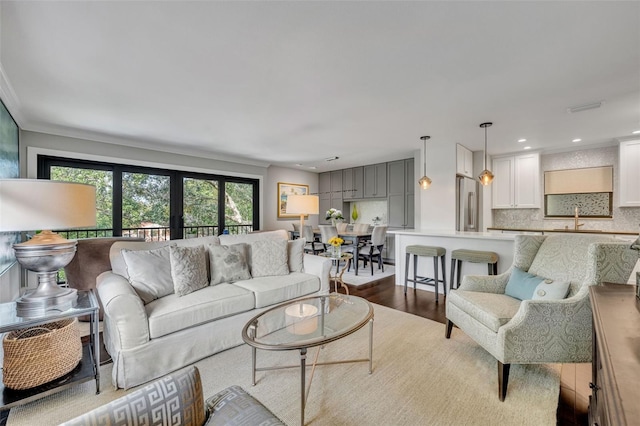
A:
(295, 249)
(525, 286)
(228, 263)
(269, 258)
(149, 272)
(188, 269)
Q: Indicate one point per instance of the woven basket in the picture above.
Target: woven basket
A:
(38, 355)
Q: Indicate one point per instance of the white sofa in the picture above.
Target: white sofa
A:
(147, 341)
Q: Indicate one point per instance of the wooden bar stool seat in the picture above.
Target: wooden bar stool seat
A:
(474, 256)
(426, 251)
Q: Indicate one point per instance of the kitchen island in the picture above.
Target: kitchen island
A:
(503, 244)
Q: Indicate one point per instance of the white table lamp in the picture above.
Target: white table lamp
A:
(31, 205)
(303, 205)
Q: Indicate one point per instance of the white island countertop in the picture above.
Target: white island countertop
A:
(453, 234)
(498, 242)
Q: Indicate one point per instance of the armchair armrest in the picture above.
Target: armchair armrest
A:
(125, 319)
(319, 266)
(549, 331)
(486, 283)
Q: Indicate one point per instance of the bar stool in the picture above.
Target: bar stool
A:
(474, 256)
(427, 251)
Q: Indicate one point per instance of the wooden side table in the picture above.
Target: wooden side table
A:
(616, 365)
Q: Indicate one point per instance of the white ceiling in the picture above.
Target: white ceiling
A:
(289, 83)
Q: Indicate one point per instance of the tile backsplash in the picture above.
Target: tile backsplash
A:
(624, 219)
(368, 211)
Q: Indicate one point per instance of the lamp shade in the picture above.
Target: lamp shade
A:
(303, 204)
(38, 204)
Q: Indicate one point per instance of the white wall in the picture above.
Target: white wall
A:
(438, 203)
(270, 205)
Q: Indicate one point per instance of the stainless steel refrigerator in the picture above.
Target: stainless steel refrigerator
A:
(466, 204)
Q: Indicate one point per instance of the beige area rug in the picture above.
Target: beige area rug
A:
(419, 378)
(364, 275)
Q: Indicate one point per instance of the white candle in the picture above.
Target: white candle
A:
(301, 318)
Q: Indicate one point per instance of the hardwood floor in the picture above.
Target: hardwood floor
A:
(573, 400)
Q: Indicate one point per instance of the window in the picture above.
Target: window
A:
(159, 204)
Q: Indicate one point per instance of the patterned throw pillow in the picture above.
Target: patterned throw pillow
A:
(228, 263)
(188, 269)
(525, 286)
(269, 258)
(149, 272)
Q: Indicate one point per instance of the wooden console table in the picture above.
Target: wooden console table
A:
(615, 399)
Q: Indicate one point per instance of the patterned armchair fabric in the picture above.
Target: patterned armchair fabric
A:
(175, 399)
(539, 331)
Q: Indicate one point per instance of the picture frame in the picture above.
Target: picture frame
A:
(285, 189)
(9, 168)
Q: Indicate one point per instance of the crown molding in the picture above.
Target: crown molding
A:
(10, 99)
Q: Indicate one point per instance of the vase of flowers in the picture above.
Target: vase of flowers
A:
(336, 246)
(334, 215)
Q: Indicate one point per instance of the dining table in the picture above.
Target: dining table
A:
(356, 238)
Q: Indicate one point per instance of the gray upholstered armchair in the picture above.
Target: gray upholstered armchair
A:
(541, 331)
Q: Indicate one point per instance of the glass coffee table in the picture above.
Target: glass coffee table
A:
(305, 323)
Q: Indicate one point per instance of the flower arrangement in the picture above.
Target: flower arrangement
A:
(336, 241)
(334, 214)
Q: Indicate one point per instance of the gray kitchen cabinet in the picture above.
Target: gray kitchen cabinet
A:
(352, 183)
(375, 181)
(324, 195)
(401, 194)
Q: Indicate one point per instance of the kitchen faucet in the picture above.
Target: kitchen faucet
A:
(576, 217)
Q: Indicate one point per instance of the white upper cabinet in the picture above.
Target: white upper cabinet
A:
(629, 174)
(516, 184)
(464, 161)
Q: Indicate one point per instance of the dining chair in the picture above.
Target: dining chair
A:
(341, 227)
(360, 227)
(312, 245)
(373, 247)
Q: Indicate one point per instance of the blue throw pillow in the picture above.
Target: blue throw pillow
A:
(525, 286)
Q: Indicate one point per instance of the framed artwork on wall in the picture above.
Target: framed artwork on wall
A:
(286, 189)
(9, 168)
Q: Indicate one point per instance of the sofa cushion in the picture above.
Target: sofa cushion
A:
(149, 272)
(118, 265)
(173, 313)
(228, 263)
(295, 250)
(228, 239)
(276, 289)
(189, 269)
(269, 258)
(492, 310)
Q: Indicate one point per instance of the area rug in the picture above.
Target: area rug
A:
(419, 378)
(364, 275)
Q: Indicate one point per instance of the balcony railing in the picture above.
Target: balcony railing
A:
(159, 233)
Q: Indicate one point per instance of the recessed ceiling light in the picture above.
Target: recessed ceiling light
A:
(527, 147)
(522, 140)
(577, 140)
(331, 158)
(313, 167)
(635, 132)
(299, 165)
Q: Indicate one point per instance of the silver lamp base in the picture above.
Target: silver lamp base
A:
(35, 305)
(45, 254)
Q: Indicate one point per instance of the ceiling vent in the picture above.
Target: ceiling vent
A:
(585, 107)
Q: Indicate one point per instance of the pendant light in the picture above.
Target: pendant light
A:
(486, 176)
(425, 182)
